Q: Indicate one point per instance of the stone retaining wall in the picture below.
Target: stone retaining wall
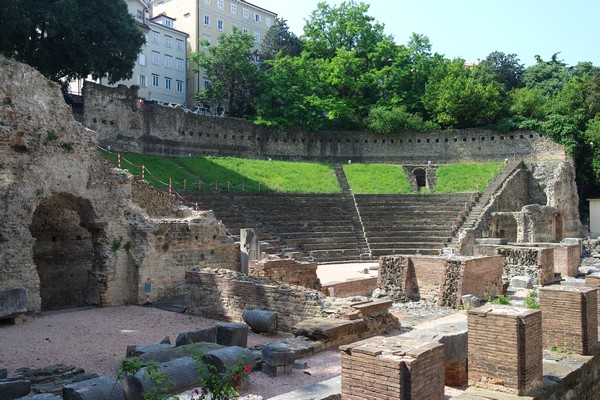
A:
(150, 128)
(225, 295)
(287, 271)
(351, 287)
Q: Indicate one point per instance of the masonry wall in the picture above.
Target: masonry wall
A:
(537, 263)
(287, 271)
(351, 287)
(150, 128)
(225, 295)
(512, 361)
(155, 202)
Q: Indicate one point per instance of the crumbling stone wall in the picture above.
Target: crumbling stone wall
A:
(156, 203)
(288, 271)
(224, 295)
(441, 279)
(538, 263)
(64, 209)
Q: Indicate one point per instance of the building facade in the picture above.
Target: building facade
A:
(207, 20)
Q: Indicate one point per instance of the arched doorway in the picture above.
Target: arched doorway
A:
(65, 252)
(421, 177)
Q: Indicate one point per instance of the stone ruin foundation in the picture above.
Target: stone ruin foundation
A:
(441, 279)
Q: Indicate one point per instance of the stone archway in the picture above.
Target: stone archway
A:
(420, 177)
(65, 252)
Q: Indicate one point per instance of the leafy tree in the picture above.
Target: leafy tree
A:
(394, 120)
(592, 146)
(231, 71)
(591, 92)
(280, 40)
(299, 95)
(346, 27)
(549, 76)
(70, 39)
(505, 67)
(528, 103)
(460, 97)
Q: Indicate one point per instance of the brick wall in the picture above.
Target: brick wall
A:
(287, 271)
(224, 295)
(593, 281)
(444, 280)
(392, 368)
(505, 348)
(570, 318)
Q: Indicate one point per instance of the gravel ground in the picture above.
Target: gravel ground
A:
(96, 340)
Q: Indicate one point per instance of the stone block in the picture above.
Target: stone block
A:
(138, 350)
(492, 241)
(373, 306)
(182, 371)
(232, 334)
(13, 302)
(200, 335)
(44, 396)
(100, 388)
(261, 320)
(275, 371)
(300, 364)
(229, 356)
(14, 389)
(277, 353)
(470, 301)
(521, 282)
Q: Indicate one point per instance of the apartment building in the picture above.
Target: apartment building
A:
(207, 20)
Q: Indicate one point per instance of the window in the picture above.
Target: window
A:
(220, 4)
(179, 44)
(168, 61)
(168, 41)
(206, 1)
(268, 22)
(155, 37)
(207, 20)
(233, 9)
(168, 23)
(142, 59)
(245, 13)
(179, 86)
(140, 15)
(142, 80)
(168, 83)
(206, 84)
(179, 64)
(155, 82)
(256, 37)
(155, 57)
(257, 18)
(220, 25)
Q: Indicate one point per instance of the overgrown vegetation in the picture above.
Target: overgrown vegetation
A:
(51, 136)
(465, 177)
(116, 245)
(499, 299)
(560, 350)
(377, 179)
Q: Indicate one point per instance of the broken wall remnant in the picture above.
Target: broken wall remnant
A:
(442, 279)
(570, 318)
(535, 262)
(74, 230)
(287, 270)
(249, 248)
(224, 295)
(512, 361)
(396, 367)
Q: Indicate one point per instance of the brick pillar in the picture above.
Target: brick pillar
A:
(593, 281)
(393, 368)
(570, 318)
(505, 348)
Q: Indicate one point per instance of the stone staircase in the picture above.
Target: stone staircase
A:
(348, 197)
(409, 223)
(474, 213)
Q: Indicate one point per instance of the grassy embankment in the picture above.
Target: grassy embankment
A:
(210, 173)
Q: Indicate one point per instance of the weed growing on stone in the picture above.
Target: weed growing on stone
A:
(531, 300)
(500, 299)
(68, 147)
(217, 386)
(39, 192)
(116, 245)
(161, 383)
(50, 137)
(560, 350)
(127, 246)
(3, 239)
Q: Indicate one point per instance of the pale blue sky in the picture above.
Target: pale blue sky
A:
(472, 29)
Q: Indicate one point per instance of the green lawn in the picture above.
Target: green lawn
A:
(239, 174)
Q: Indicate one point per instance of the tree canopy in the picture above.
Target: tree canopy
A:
(69, 39)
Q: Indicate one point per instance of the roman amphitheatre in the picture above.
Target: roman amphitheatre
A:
(359, 295)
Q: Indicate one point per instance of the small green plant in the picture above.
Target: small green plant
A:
(560, 350)
(216, 386)
(3, 239)
(51, 136)
(127, 247)
(161, 383)
(68, 147)
(500, 299)
(116, 245)
(39, 192)
(531, 300)
(128, 366)
(165, 247)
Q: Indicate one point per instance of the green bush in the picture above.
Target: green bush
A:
(394, 120)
